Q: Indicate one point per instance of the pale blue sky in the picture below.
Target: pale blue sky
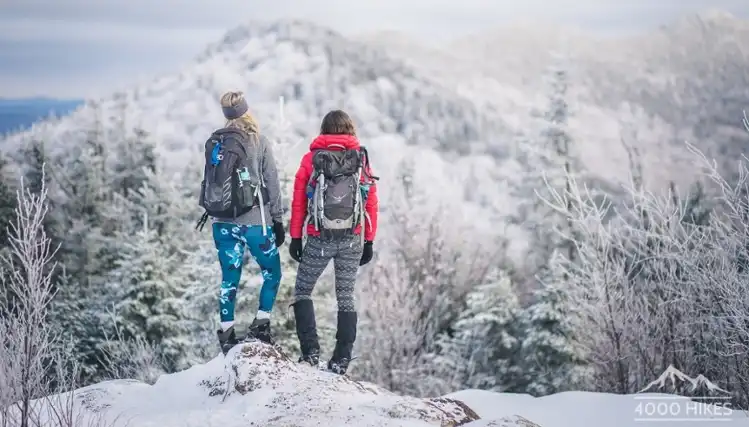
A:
(78, 48)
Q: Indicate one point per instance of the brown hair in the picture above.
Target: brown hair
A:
(337, 122)
(246, 121)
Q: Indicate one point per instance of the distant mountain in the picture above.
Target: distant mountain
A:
(454, 102)
(19, 114)
(686, 81)
(400, 113)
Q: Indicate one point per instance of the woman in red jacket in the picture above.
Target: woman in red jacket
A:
(334, 196)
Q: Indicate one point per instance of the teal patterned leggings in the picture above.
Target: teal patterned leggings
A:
(231, 240)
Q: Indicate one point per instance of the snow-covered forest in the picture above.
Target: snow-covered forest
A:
(506, 261)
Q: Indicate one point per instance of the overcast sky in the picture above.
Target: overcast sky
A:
(81, 48)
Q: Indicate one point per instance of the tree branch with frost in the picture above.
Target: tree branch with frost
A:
(668, 287)
(28, 267)
(129, 358)
(37, 377)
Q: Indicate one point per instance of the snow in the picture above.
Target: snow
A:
(585, 409)
(256, 384)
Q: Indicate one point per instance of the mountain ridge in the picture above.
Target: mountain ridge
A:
(453, 102)
(343, 69)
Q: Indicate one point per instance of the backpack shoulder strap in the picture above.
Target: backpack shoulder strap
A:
(236, 135)
(366, 166)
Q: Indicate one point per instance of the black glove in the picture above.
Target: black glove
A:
(295, 249)
(280, 233)
(366, 255)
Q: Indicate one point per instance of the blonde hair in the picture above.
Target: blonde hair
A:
(246, 121)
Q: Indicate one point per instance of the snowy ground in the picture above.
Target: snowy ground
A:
(582, 409)
(256, 385)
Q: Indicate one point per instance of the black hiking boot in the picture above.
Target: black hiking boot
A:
(260, 330)
(345, 337)
(306, 331)
(227, 339)
(313, 359)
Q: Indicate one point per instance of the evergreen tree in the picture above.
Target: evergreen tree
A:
(136, 157)
(7, 202)
(82, 178)
(36, 157)
(549, 361)
(552, 167)
(480, 351)
(149, 301)
(95, 208)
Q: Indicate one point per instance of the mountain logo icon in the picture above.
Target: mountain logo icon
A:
(674, 379)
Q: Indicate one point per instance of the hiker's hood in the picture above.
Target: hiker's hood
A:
(348, 142)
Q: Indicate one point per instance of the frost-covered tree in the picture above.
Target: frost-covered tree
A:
(549, 359)
(35, 155)
(91, 179)
(73, 311)
(81, 176)
(553, 168)
(29, 354)
(549, 157)
(662, 283)
(135, 158)
(149, 304)
(39, 375)
(7, 203)
(481, 349)
(26, 339)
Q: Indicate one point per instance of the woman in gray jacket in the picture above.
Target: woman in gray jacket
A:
(251, 229)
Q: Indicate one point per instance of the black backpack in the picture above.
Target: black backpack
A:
(232, 181)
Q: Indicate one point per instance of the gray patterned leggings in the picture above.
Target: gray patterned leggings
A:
(345, 252)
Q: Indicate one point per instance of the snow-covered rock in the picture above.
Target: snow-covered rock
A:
(259, 385)
(256, 384)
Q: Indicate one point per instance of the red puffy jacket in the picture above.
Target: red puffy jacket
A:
(299, 201)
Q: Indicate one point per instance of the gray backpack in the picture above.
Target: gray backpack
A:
(335, 202)
(232, 182)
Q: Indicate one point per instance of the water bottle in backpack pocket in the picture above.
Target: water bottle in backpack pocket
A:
(248, 191)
